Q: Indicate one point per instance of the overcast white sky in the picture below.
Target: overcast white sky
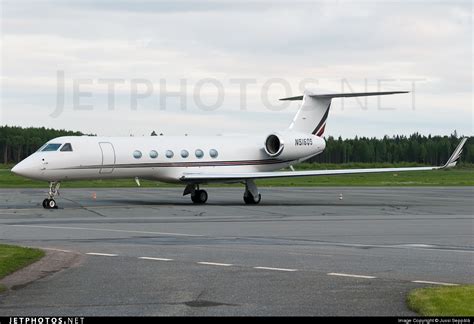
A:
(151, 45)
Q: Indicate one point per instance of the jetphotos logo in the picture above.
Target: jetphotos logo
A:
(210, 94)
(46, 320)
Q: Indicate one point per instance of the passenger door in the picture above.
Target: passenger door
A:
(108, 157)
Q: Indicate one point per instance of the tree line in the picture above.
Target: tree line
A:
(16, 143)
(432, 150)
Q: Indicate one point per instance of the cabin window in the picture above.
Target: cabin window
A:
(169, 154)
(66, 147)
(137, 154)
(213, 153)
(184, 154)
(153, 154)
(51, 147)
(199, 153)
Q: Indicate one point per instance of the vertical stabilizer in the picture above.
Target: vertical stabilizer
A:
(314, 110)
(312, 115)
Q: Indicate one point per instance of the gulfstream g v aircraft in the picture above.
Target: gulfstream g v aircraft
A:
(197, 160)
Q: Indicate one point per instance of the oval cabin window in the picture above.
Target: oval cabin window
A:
(199, 153)
(137, 154)
(213, 153)
(153, 154)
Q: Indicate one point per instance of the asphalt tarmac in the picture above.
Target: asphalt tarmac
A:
(301, 251)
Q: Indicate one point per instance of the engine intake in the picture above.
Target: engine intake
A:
(293, 145)
(273, 145)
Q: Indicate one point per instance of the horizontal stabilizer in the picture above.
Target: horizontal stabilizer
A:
(346, 95)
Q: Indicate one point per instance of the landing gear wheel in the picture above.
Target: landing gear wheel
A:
(249, 199)
(50, 204)
(199, 197)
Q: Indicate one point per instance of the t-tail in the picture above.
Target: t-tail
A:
(314, 111)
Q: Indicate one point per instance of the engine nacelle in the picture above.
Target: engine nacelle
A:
(293, 145)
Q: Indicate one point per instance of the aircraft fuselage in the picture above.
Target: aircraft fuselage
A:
(161, 158)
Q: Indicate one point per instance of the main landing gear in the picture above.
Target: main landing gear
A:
(251, 194)
(50, 203)
(198, 196)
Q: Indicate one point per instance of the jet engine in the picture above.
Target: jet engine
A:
(293, 145)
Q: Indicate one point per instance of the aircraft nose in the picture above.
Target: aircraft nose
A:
(25, 168)
(18, 169)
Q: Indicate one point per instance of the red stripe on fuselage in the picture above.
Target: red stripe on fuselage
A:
(321, 131)
(181, 164)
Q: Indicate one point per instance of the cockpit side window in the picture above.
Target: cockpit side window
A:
(51, 147)
(66, 148)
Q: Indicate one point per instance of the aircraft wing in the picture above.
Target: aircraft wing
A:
(220, 176)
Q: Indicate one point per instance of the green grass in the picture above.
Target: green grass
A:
(443, 301)
(460, 176)
(13, 258)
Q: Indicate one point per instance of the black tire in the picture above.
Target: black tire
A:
(249, 199)
(45, 203)
(203, 196)
(199, 197)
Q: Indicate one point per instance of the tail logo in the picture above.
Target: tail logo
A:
(319, 130)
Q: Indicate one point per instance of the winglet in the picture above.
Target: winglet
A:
(456, 155)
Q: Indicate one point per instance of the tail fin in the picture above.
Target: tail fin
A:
(314, 111)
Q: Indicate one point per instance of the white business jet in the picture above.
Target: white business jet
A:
(197, 160)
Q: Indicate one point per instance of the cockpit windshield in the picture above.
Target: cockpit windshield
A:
(51, 147)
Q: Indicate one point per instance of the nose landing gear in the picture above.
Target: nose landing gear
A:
(50, 203)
